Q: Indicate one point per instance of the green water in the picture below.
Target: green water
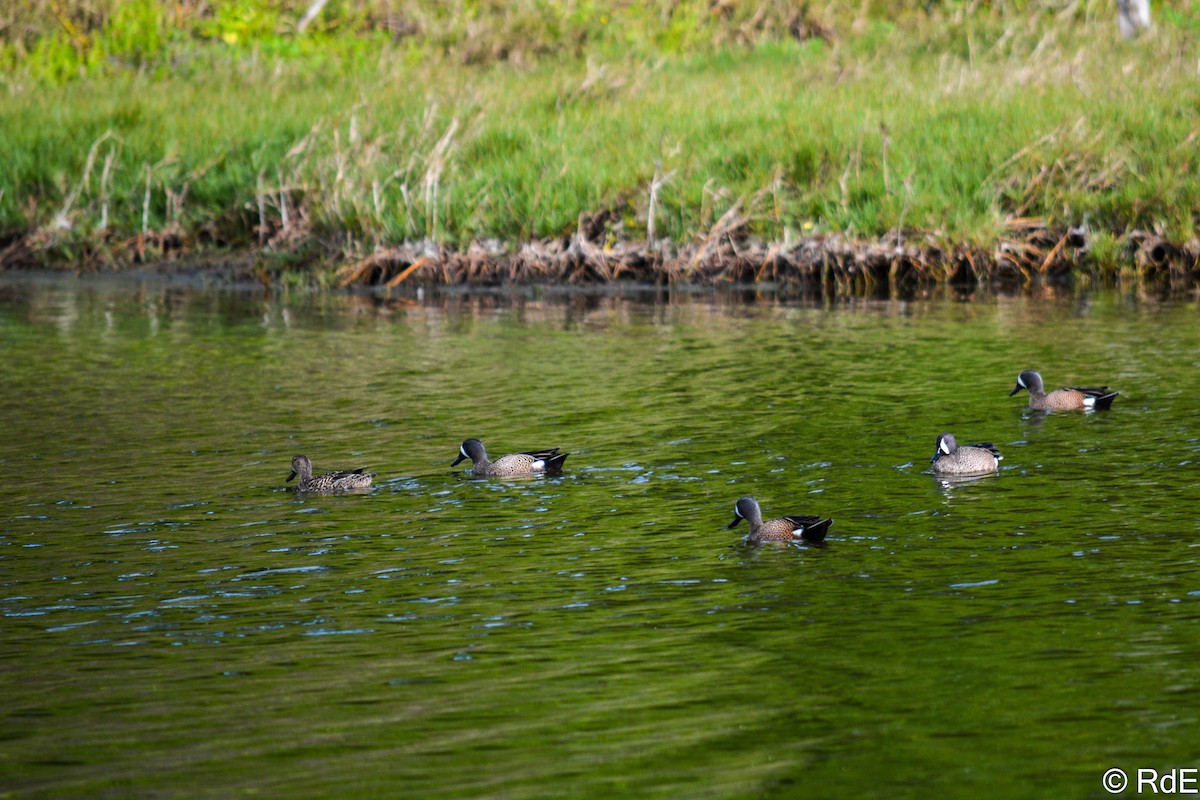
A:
(175, 623)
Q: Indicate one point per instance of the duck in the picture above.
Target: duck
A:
(329, 482)
(798, 528)
(532, 462)
(969, 459)
(1069, 399)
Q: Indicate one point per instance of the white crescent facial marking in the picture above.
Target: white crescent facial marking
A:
(944, 446)
(1021, 381)
(463, 450)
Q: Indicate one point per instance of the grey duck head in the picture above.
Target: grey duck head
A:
(1029, 379)
(472, 449)
(745, 508)
(946, 444)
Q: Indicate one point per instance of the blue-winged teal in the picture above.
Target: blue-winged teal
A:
(330, 482)
(1070, 399)
(534, 462)
(969, 459)
(806, 528)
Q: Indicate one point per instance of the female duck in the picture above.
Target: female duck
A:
(330, 482)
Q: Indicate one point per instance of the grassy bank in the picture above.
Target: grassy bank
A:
(607, 142)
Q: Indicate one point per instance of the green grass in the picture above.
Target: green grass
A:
(349, 140)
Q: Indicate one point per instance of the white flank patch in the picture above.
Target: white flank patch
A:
(1089, 402)
(538, 465)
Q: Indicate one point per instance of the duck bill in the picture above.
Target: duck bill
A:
(1016, 389)
(291, 476)
(733, 524)
(460, 458)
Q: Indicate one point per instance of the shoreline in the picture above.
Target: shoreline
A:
(881, 153)
(1031, 251)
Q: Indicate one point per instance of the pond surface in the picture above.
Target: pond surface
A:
(175, 623)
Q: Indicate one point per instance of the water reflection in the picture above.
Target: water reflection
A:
(163, 300)
(949, 482)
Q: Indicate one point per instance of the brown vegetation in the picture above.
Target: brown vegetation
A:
(1028, 252)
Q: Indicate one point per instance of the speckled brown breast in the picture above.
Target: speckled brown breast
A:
(1058, 400)
(510, 465)
(536, 462)
(775, 530)
(966, 460)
